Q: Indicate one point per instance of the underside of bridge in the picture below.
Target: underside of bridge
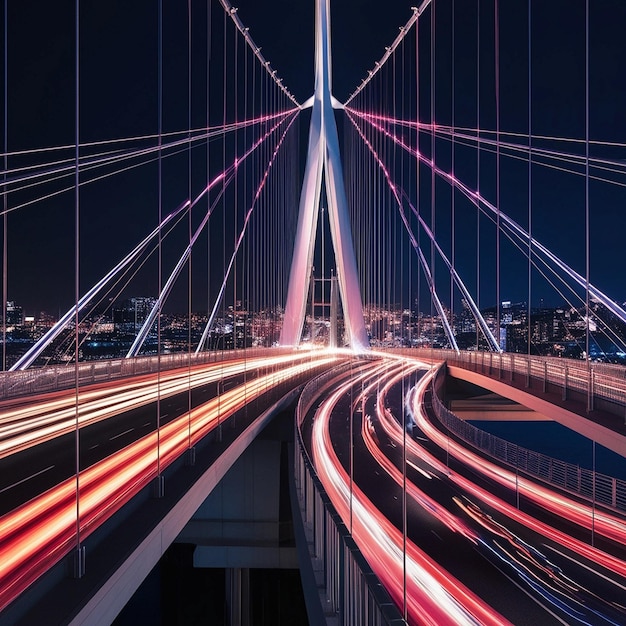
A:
(504, 396)
(471, 402)
(235, 561)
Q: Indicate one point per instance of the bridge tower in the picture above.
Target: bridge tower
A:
(323, 165)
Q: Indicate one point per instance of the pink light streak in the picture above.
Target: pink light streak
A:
(433, 595)
(605, 524)
(482, 203)
(239, 159)
(241, 236)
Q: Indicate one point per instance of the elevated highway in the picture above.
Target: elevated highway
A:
(152, 447)
(429, 511)
(140, 479)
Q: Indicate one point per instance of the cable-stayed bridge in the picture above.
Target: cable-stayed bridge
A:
(153, 194)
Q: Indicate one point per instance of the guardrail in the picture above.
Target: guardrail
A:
(353, 592)
(58, 377)
(591, 485)
(600, 385)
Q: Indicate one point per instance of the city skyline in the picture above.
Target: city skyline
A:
(110, 331)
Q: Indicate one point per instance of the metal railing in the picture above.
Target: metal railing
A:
(600, 385)
(354, 594)
(59, 377)
(589, 484)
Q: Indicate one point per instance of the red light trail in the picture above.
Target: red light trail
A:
(36, 535)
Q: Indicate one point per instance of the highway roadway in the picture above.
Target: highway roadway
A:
(471, 555)
(121, 450)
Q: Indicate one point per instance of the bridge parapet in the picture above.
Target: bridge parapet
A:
(602, 386)
(350, 590)
(58, 377)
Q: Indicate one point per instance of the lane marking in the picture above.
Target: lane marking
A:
(585, 566)
(130, 430)
(19, 482)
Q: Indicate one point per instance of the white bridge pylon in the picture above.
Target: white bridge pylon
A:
(323, 164)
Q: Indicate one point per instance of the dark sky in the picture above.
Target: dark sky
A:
(360, 32)
(117, 99)
(118, 83)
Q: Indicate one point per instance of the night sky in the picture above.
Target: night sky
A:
(118, 83)
(360, 32)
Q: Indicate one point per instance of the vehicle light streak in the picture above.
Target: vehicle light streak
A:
(433, 595)
(53, 415)
(580, 563)
(394, 430)
(543, 576)
(37, 534)
(539, 575)
(437, 510)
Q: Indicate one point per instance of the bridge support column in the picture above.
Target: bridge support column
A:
(78, 562)
(238, 596)
(158, 487)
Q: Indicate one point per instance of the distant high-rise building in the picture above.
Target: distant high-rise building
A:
(14, 315)
(131, 313)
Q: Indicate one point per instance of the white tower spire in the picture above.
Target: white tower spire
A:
(323, 163)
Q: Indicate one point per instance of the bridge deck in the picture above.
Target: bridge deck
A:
(574, 402)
